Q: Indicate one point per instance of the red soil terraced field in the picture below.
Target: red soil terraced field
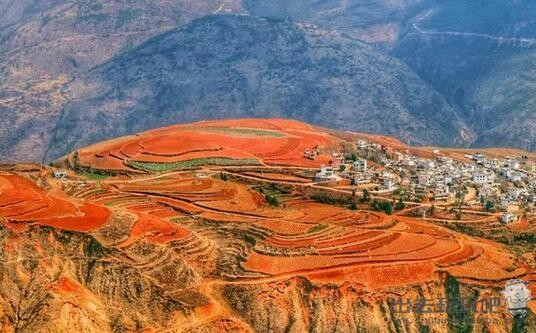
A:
(21, 201)
(210, 196)
(222, 142)
(334, 250)
(303, 237)
(157, 230)
(307, 237)
(197, 238)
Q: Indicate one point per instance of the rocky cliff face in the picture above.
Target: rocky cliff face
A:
(299, 305)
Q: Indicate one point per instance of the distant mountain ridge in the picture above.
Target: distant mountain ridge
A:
(242, 66)
(441, 82)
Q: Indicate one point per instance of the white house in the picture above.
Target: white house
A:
(514, 176)
(513, 194)
(507, 218)
(478, 157)
(481, 178)
(424, 179)
(362, 144)
(60, 174)
(389, 184)
(485, 192)
(326, 174)
(512, 162)
(360, 165)
(441, 193)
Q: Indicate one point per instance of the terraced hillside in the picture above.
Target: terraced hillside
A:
(180, 232)
(218, 143)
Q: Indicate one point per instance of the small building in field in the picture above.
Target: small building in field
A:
(60, 174)
(418, 192)
(389, 184)
(336, 160)
(480, 178)
(442, 193)
(310, 154)
(508, 218)
(326, 175)
(512, 162)
(361, 179)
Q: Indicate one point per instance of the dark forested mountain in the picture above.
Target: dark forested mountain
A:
(433, 72)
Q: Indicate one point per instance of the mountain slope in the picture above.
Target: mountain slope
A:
(478, 55)
(46, 44)
(509, 104)
(238, 66)
(457, 47)
(462, 50)
(377, 21)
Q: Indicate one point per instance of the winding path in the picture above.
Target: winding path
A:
(500, 39)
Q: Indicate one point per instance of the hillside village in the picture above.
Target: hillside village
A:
(495, 185)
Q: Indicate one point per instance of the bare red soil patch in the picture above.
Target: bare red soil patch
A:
(155, 230)
(276, 142)
(22, 201)
(378, 276)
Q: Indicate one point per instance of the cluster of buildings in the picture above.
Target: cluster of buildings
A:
(507, 185)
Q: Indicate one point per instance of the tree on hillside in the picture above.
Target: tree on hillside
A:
(400, 204)
(366, 195)
(382, 206)
(432, 210)
(272, 200)
(459, 202)
(388, 207)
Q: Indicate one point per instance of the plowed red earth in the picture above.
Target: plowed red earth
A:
(157, 230)
(320, 240)
(21, 201)
(275, 142)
